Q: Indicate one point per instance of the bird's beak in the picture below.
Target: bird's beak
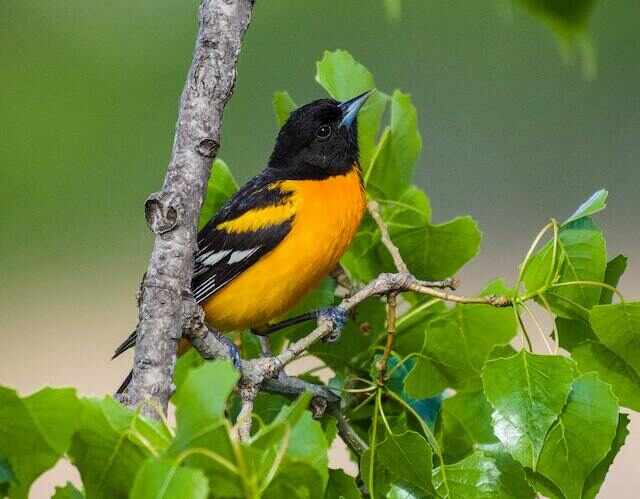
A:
(351, 107)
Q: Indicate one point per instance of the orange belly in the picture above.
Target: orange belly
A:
(327, 216)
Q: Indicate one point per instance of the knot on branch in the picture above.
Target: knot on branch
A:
(162, 211)
(499, 301)
(318, 407)
(192, 317)
(394, 282)
(207, 148)
(255, 371)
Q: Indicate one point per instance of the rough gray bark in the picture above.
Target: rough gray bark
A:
(172, 213)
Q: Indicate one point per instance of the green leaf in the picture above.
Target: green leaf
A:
(427, 409)
(111, 444)
(308, 444)
(618, 327)
(393, 9)
(361, 261)
(35, 431)
(6, 476)
(397, 491)
(594, 356)
(270, 445)
(597, 476)
(202, 398)
(527, 392)
(456, 347)
(295, 480)
(430, 251)
(475, 477)
(412, 326)
(581, 257)
(513, 478)
(395, 157)
(69, 491)
(543, 486)
(573, 332)
(596, 203)
(341, 486)
(465, 424)
(426, 379)
(186, 362)
(566, 17)
(200, 404)
(267, 406)
(343, 78)
(581, 437)
(221, 187)
(283, 106)
(613, 273)
(404, 460)
(164, 479)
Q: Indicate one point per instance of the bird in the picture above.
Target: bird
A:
(284, 230)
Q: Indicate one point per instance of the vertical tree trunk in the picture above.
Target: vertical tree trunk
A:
(172, 213)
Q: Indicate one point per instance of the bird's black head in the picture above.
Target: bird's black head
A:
(320, 139)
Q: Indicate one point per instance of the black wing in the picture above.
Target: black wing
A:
(223, 255)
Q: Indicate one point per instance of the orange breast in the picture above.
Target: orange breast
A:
(327, 215)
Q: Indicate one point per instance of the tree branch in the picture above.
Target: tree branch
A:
(266, 373)
(172, 213)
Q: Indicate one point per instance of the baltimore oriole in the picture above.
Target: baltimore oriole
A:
(286, 228)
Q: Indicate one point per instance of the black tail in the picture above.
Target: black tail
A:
(130, 342)
(125, 383)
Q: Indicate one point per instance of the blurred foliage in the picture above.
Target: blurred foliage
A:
(568, 19)
(500, 423)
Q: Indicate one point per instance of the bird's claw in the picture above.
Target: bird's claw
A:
(337, 318)
(232, 349)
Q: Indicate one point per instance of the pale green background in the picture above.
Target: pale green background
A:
(88, 105)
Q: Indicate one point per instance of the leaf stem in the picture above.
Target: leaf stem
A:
(391, 336)
(372, 443)
(523, 328)
(415, 311)
(427, 433)
(591, 283)
(211, 455)
(276, 461)
(538, 327)
(527, 258)
(556, 332)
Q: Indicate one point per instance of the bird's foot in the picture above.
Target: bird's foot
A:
(232, 349)
(337, 318)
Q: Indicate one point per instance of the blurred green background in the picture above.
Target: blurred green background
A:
(88, 101)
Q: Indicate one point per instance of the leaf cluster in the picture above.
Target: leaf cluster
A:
(461, 410)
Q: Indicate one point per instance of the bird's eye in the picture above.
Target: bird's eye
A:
(324, 132)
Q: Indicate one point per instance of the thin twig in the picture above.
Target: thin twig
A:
(384, 284)
(349, 435)
(343, 279)
(248, 394)
(265, 346)
(374, 211)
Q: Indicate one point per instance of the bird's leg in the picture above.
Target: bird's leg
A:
(336, 316)
(234, 353)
